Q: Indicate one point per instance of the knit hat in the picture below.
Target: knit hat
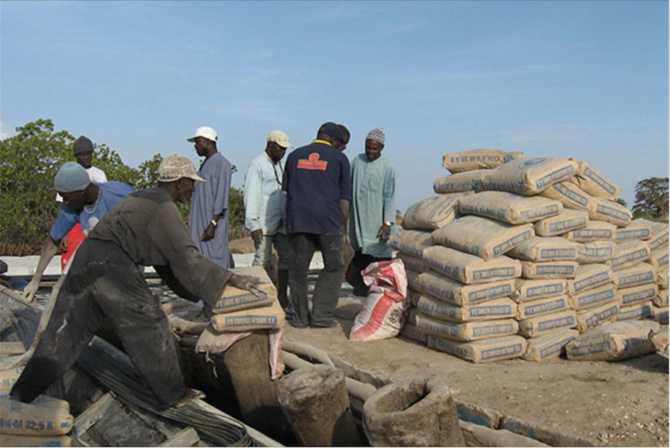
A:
(71, 177)
(174, 167)
(82, 144)
(377, 135)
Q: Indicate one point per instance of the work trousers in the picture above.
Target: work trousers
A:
(103, 287)
(329, 282)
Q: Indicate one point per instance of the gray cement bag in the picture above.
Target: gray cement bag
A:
(596, 252)
(549, 269)
(593, 298)
(613, 342)
(549, 323)
(454, 183)
(530, 175)
(468, 331)
(550, 346)
(487, 350)
(531, 290)
(460, 294)
(509, 208)
(660, 315)
(417, 264)
(570, 195)
(594, 231)
(609, 211)
(539, 249)
(562, 223)
(527, 310)
(637, 275)
(467, 268)
(433, 212)
(411, 331)
(638, 311)
(411, 242)
(492, 309)
(590, 276)
(477, 159)
(638, 229)
(637, 294)
(591, 318)
(483, 237)
(630, 253)
(659, 259)
(594, 183)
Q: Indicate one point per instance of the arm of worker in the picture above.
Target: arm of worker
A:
(389, 212)
(210, 230)
(344, 208)
(219, 186)
(253, 193)
(49, 249)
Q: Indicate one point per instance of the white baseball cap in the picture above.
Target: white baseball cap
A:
(280, 138)
(205, 132)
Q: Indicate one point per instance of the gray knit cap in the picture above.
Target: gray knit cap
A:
(377, 135)
(71, 177)
(82, 144)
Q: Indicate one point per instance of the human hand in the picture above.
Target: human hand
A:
(384, 233)
(209, 232)
(29, 291)
(257, 236)
(63, 245)
(243, 281)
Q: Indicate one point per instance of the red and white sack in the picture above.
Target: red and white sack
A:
(383, 314)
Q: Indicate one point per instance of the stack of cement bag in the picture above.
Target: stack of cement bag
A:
(536, 252)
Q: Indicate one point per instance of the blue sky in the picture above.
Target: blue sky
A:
(582, 79)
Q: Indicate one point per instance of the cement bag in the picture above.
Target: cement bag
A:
(417, 264)
(530, 175)
(487, 350)
(549, 269)
(596, 252)
(594, 231)
(33, 420)
(21, 441)
(454, 183)
(509, 208)
(457, 293)
(492, 309)
(483, 237)
(593, 298)
(630, 253)
(433, 212)
(383, 313)
(659, 259)
(527, 310)
(662, 279)
(590, 276)
(594, 183)
(468, 331)
(638, 311)
(235, 299)
(211, 341)
(413, 296)
(609, 211)
(638, 229)
(550, 346)
(411, 242)
(530, 290)
(8, 378)
(659, 236)
(570, 195)
(562, 223)
(591, 318)
(637, 275)
(467, 268)
(660, 315)
(637, 294)
(411, 331)
(613, 342)
(548, 323)
(661, 299)
(264, 318)
(539, 249)
(476, 159)
(413, 279)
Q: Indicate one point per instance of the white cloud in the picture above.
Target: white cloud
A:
(5, 131)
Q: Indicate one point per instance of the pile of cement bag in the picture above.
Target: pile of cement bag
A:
(520, 256)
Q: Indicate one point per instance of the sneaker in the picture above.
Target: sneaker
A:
(327, 323)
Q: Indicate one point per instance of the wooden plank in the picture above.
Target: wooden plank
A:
(186, 437)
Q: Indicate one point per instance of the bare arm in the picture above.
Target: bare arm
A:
(49, 249)
(344, 207)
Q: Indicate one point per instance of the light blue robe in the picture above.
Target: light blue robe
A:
(373, 202)
(211, 198)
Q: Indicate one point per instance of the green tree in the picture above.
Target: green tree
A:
(651, 199)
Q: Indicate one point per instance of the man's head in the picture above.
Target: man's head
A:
(277, 144)
(205, 141)
(342, 145)
(83, 151)
(330, 132)
(72, 183)
(177, 175)
(374, 143)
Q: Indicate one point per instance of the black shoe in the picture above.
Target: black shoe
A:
(327, 323)
(295, 324)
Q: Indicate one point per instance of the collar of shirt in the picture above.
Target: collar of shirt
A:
(322, 141)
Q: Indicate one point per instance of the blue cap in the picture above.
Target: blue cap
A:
(331, 129)
(71, 177)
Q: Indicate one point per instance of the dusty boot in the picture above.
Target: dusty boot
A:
(282, 288)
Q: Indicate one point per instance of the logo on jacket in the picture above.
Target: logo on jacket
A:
(312, 163)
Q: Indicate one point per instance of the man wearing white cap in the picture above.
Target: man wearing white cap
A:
(265, 208)
(104, 287)
(209, 209)
(84, 202)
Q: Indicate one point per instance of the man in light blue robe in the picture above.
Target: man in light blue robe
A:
(372, 215)
(209, 208)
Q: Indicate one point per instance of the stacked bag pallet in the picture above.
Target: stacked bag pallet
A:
(538, 252)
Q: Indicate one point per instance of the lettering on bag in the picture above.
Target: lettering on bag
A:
(312, 163)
